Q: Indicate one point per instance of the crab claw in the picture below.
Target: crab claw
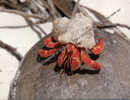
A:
(89, 61)
(50, 44)
(98, 48)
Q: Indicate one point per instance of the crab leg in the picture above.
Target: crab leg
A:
(89, 61)
(72, 55)
(98, 48)
(49, 42)
(75, 61)
(62, 57)
(46, 53)
(64, 54)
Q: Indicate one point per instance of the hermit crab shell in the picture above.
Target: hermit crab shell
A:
(78, 30)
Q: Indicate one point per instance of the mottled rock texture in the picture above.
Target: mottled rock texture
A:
(113, 81)
(78, 30)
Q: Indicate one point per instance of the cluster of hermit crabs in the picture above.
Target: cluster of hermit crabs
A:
(73, 37)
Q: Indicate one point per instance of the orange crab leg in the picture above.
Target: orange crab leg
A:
(99, 47)
(46, 53)
(89, 61)
(49, 42)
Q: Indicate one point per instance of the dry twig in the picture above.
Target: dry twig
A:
(118, 10)
(30, 23)
(14, 27)
(11, 50)
(75, 8)
(24, 14)
(114, 25)
(52, 9)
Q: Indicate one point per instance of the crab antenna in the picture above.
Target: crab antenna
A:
(75, 9)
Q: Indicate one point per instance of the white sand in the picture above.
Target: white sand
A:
(23, 39)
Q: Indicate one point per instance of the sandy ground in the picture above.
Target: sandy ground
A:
(23, 39)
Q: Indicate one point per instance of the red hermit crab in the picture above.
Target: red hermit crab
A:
(73, 37)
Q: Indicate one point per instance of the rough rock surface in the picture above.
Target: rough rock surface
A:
(113, 81)
(78, 30)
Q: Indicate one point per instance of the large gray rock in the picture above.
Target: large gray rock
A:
(37, 81)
